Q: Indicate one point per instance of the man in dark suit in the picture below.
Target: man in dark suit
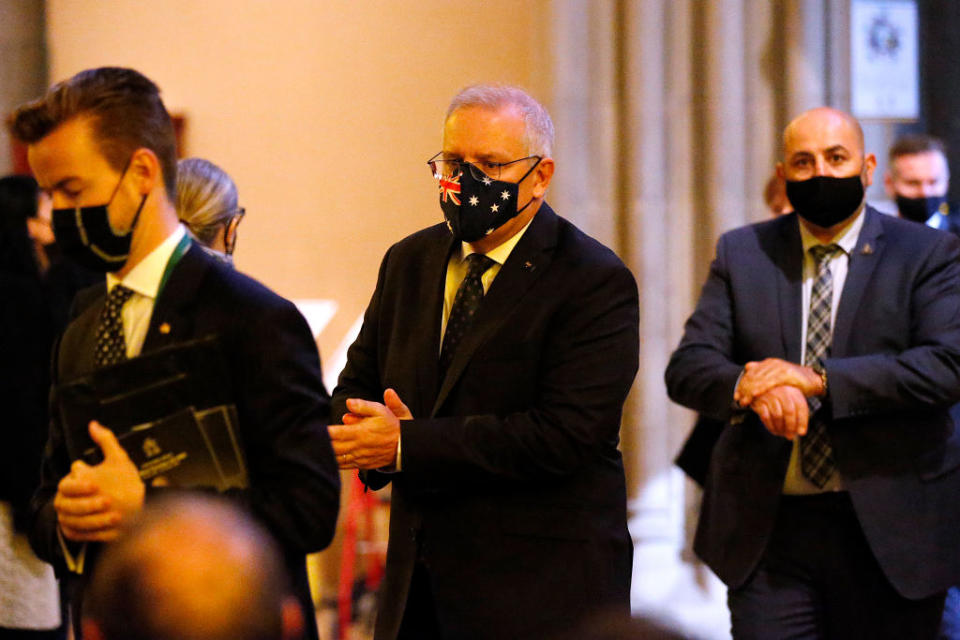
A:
(102, 145)
(491, 396)
(829, 344)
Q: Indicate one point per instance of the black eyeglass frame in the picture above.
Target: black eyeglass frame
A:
(477, 172)
(230, 231)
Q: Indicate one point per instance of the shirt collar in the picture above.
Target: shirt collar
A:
(498, 254)
(846, 239)
(146, 276)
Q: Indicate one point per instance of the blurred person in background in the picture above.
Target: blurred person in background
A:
(226, 580)
(29, 599)
(207, 203)
(775, 196)
(918, 178)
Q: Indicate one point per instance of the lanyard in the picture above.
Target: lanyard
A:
(178, 253)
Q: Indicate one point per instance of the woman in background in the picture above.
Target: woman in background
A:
(207, 203)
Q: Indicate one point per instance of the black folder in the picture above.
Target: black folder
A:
(172, 410)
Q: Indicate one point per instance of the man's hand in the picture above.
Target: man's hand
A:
(760, 377)
(368, 437)
(783, 411)
(94, 503)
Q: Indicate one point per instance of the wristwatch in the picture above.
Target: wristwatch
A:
(819, 369)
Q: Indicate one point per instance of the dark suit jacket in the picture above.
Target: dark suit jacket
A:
(282, 405)
(511, 481)
(893, 372)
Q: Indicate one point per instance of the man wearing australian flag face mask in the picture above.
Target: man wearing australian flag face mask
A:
(917, 180)
(487, 386)
(101, 145)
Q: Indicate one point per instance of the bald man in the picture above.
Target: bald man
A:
(192, 568)
(828, 342)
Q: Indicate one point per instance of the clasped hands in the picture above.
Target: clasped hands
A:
(94, 502)
(777, 391)
(368, 437)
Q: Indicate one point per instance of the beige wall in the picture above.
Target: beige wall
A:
(324, 112)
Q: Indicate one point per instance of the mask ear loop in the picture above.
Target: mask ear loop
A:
(143, 200)
(136, 216)
(529, 171)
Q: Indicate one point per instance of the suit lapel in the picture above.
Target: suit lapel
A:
(427, 333)
(528, 260)
(789, 260)
(79, 342)
(864, 259)
(171, 320)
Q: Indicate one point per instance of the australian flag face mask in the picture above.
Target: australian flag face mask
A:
(474, 208)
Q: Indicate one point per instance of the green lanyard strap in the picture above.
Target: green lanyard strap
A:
(178, 253)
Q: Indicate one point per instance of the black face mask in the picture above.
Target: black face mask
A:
(85, 235)
(825, 201)
(476, 208)
(921, 209)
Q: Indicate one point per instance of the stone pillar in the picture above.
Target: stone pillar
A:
(23, 74)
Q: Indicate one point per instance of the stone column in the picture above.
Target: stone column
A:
(23, 74)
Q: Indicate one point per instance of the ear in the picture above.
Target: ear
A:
(870, 163)
(542, 176)
(90, 630)
(145, 169)
(291, 616)
(781, 173)
(888, 184)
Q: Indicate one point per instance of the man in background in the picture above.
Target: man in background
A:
(191, 567)
(918, 179)
(828, 342)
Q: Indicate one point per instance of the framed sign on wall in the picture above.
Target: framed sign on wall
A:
(884, 70)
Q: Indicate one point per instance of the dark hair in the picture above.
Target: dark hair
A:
(916, 143)
(127, 114)
(18, 201)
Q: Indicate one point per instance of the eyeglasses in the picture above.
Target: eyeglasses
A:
(448, 168)
(230, 231)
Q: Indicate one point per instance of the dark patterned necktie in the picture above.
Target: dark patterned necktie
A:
(465, 305)
(111, 345)
(816, 454)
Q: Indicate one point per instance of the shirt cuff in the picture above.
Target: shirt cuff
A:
(396, 466)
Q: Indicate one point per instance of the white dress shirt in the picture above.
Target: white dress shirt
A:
(144, 280)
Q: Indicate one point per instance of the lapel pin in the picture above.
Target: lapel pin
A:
(165, 328)
(867, 249)
(528, 265)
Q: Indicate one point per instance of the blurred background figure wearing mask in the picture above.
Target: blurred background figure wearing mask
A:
(917, 180)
